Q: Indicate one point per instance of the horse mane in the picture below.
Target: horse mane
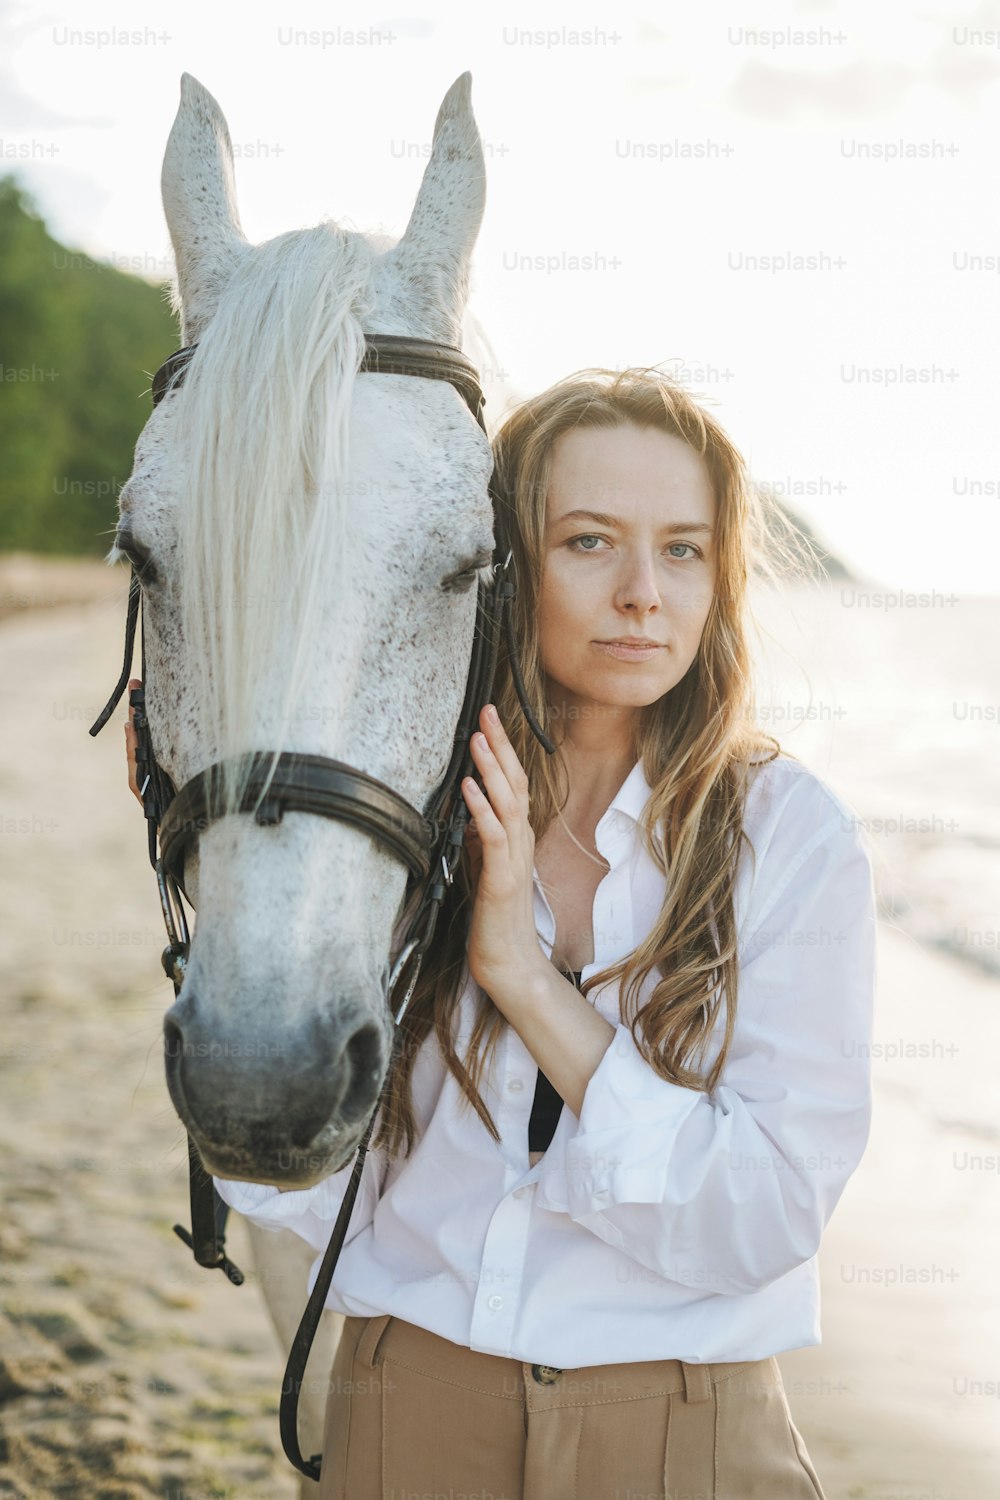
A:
(262, 516)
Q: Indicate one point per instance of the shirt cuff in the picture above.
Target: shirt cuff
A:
(309, 1212)
(621, 1150)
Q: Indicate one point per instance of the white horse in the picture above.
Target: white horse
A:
(312, 544)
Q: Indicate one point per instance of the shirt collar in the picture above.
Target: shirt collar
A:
(614, 835)
(632, 796)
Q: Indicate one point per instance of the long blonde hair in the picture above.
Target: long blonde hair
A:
(697, 744)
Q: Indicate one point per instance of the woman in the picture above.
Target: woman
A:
(623, 1105)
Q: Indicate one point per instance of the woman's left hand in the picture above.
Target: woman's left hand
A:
(502, 935)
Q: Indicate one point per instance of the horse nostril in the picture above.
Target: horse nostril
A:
(173, 1056)
(363, 1055)
(173, 1040)
(306, 1125)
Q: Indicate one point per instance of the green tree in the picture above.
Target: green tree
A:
(77, 339)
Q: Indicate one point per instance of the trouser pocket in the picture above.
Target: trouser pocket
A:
(759, 1454)
(352, 1434)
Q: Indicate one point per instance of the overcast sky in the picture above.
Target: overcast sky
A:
(663, 163)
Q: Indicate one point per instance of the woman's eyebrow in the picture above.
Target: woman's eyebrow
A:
(615, 521)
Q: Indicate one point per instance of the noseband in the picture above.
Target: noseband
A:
(428, 843)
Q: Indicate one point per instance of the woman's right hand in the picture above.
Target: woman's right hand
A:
(130, 737)
(474, 850)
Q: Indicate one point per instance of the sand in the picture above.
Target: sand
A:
(126, 1371)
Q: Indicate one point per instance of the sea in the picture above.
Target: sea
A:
(892, 696)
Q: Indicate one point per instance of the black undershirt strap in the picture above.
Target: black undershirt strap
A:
(547, 1105)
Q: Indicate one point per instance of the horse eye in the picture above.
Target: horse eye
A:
(463, 578)
(138, 555)
(459, 583)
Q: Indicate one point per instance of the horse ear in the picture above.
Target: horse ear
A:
(199, 200)
(433, 254)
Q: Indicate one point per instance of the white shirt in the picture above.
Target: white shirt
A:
(664, 1222)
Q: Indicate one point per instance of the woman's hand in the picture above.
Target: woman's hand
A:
(134, 682)
(502, 934)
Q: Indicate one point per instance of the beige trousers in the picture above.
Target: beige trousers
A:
(412, 1416)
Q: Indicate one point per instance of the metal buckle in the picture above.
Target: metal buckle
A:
(397, 969)
(175, 955)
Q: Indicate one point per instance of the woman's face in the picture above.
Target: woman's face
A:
(642, 566)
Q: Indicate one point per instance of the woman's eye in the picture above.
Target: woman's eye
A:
(692, 550)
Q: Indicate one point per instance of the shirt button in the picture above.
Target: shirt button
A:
(516, 1085)
(495, 1302)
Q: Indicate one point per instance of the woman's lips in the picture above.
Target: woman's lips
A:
(627, 653)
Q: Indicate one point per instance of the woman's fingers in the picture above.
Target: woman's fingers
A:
(130, 741)
(503, 916)
(474, 849)
(505, 843)
(501, 808)
(503, 751)
(485, 808)
(503, 801)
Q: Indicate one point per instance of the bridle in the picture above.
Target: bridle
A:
(428, 843)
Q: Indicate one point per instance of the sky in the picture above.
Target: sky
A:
(792, 207)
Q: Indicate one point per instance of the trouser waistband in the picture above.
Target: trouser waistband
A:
(392, 1339)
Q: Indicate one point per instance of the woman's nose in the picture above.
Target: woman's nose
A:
(639, 589)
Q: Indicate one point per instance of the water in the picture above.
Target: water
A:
(895, 701)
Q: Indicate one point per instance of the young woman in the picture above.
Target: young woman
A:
(628, 1092)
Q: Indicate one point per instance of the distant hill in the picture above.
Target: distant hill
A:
(812, 551)
(77, 339)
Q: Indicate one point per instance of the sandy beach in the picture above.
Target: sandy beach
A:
(126, 1371)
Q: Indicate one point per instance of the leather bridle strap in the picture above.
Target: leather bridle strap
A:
(300, 783)
(391, 354)
(385, 354)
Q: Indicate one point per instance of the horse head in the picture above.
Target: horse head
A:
(309, 541)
